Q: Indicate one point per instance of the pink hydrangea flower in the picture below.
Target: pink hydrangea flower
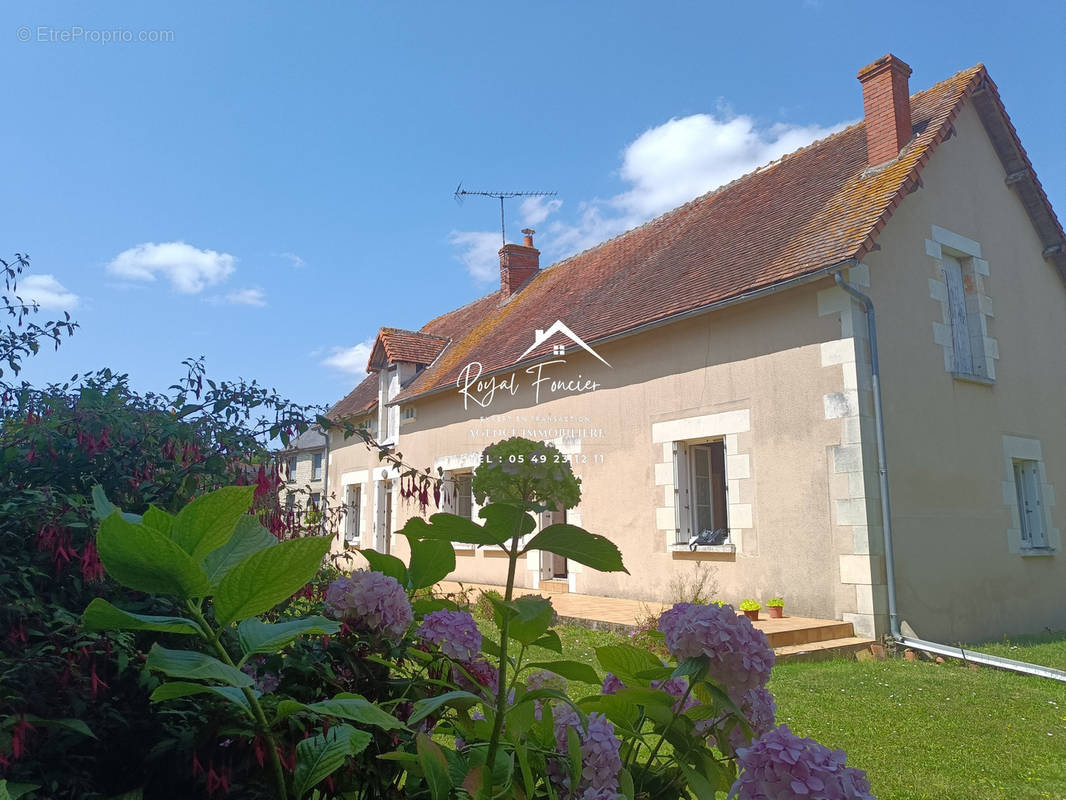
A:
(600, 761)
(372, 601)
(454, 631)
(782, 766)
(739, 656)
(483, 677)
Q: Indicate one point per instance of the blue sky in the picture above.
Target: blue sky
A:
(274, 183)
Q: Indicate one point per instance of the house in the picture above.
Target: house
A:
(728, 382)
(303, 469)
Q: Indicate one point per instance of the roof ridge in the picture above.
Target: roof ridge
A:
(413, 333)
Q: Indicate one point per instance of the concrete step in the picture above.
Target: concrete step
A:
(825, 650)
(789, 631)
(555, 587)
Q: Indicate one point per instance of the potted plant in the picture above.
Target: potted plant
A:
(750, 609)
(776, 606)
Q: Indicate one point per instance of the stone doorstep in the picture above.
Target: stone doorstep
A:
(555, 587)
(844, 647)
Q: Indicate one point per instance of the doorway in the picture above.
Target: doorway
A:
(383, 537)
(552, 566)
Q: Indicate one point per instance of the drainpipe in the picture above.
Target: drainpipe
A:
(936, 648)
(325, 485)
(882, 466)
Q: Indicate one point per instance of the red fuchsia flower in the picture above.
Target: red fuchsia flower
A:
(95, 681)
(197, 767)
(260, 751)
(92, 571)
(31, 456)
(19, 734)
(17, 634)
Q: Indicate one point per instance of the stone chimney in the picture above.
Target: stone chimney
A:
(886, 102)
(518, 263)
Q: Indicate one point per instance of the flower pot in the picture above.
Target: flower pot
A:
(752, 615)
(776, 612)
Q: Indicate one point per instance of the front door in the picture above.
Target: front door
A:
(552, 566)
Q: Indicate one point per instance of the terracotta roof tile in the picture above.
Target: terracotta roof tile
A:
(396, 344)
(360, 400)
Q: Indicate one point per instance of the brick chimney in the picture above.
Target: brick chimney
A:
(887, 105)
(518, 263)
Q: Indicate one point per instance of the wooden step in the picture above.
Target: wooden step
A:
(825, 650)
(559, 586)
(789, 631)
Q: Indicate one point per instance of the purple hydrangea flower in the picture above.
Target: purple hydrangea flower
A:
(782, 766)
(760, 709)
(545, 679)
(602, 793)
(455, 632)
(611, 684)
(372, 601)
(739, 656)
(263, 682)
(483, 677)
(677, 687)
(600, 761)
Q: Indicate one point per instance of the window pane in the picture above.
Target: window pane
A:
(464, 496)
(701, 488)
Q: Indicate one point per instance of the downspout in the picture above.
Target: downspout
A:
(936, 648)
(882, 466)
(325, 484)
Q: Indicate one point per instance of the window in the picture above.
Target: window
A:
(464, 495)
(290, 501)
(1030, 504)
(316, 498)
(409, 412)
(353, 514)
(700, 492)
(290, 467)
(316, 467)
(964, 339)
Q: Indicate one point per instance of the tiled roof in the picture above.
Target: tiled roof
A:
(395, 344)
(359, 400)
(796, 217)
(311, 439)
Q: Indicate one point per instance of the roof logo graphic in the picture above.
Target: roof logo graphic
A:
(559, 327)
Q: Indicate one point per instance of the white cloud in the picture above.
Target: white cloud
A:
(189, 269)
(247, 297)
(293, 259)
(351, 360)
(479, 253)
(534, 210)
(47, 292)
(665, 166)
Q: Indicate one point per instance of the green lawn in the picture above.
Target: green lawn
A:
(920, 730)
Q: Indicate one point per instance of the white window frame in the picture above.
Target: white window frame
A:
(1030, 499)
(684, 461)
(353, 514)
(290, 467)
(316, 466)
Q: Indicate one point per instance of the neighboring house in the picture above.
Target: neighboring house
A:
(738, 394)
(303, 470)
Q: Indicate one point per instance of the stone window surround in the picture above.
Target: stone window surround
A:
(725, 425)
(1019, 448)
(978, 304)
(360, 478)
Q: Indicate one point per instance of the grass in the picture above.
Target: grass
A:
(921, 731)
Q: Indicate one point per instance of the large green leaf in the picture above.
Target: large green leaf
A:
(69, 724)
(423, 708)
(453, 528)
(320, 756)
(386, 565)
(173, 689)
(579, 545)
(208, 522)
(434, 767)
(344, 706)
(266, 578)
(192, 665)
(100, 615)
(430, 562)
(144, 559)
(13, 791)
(571, 670)
(507, 521)
(535, 615)
(158, 519)
(249, 537)
(261, 637)
(626, 661)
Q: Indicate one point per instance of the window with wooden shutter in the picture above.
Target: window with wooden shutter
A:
(682, 503)
(960, 326)
(1030, 504)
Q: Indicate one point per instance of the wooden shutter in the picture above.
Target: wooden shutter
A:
(682, 494)
(960, 326)
(1030, 505)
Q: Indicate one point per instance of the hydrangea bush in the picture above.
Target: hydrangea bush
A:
(451, 711)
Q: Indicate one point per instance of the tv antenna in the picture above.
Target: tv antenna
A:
(460, 193)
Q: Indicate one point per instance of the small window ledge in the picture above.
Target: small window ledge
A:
(1029, 552)
(962, 376)
(704, 548)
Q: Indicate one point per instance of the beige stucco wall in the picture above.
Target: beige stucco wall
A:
(957, 578)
